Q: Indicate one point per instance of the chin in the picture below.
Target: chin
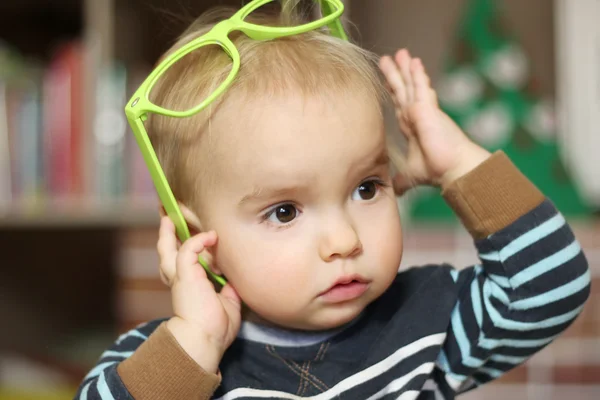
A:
(334, 318)
(320, 321)
(322, 318)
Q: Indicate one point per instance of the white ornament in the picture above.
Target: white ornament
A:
(508, 68)
(492, 126)
(460, 88)
(541, 121)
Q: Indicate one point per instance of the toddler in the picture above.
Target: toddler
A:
(287, 184)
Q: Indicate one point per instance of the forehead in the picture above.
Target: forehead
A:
(295, 137)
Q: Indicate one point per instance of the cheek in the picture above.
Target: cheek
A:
(383, 237)
(262, 269)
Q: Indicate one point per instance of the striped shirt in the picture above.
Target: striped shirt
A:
(435, 333)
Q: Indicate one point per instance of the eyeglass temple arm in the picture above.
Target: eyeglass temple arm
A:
(335, 27)
(164, 190)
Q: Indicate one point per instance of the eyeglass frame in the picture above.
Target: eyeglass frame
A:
(139, 106)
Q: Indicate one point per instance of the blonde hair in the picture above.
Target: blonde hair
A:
(312, 64)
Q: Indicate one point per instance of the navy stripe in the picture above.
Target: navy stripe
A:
(440, 379)
(566, 272)
(541, 249)
(559, 307)
(114, 382)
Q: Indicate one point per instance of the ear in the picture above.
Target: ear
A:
(195, 226)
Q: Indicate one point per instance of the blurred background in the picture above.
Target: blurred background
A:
(78, 216)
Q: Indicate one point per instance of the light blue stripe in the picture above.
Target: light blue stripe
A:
(499, 321)
(526, 239)
(454, 274)
(476, 300)
(103, 389)
(554, 295)
(445, 366)
(98, 369)
(490, 344)
(121, 354)
(443, 361)
(532, 236)
(461, 338)
(84, 391)
(132, 333)
(501, 281)
(493, 256)
(494, 373)
(547, 264)
(492, 290)
(508, 359)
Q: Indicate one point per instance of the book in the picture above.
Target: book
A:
(109, 132)
(62, 121)
(5, 167)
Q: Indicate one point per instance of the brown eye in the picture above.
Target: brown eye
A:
(366, 190)
(283, 214)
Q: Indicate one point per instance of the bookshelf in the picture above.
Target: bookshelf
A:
(67, 157)
(71, 182)
(67, 67)
(118, 214)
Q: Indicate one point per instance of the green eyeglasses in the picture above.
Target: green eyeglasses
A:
(140, 105)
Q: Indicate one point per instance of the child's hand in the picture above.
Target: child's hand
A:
(205, 322)
(438, 150)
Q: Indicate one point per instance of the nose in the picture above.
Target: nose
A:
(339, 239)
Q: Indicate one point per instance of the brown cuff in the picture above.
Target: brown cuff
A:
(492, 196)
(161, 369)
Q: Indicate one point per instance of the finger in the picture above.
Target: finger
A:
(394, 79)
(167, 249)
(392, 95)
(162, 212)
(192, 219)
(402, 183)
(404, 124)
(421, 79)
(187, 258)
(163, 278)
(433, 96)
(403, 61)
(229, 294)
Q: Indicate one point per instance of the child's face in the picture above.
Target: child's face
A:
(299, 205)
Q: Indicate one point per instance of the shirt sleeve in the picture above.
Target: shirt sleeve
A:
(147, 363)
(531, 283)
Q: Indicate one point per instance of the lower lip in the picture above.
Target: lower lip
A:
(348, 291)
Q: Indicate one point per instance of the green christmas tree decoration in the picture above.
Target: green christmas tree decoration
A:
(488, 91)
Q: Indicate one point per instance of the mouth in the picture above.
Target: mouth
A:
(345, 288)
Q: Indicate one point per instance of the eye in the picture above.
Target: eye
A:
(282, 214)
(365, 191)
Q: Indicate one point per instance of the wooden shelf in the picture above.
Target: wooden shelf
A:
(113, 213)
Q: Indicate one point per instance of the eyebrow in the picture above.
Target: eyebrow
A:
(382, 158)
(259, 193)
